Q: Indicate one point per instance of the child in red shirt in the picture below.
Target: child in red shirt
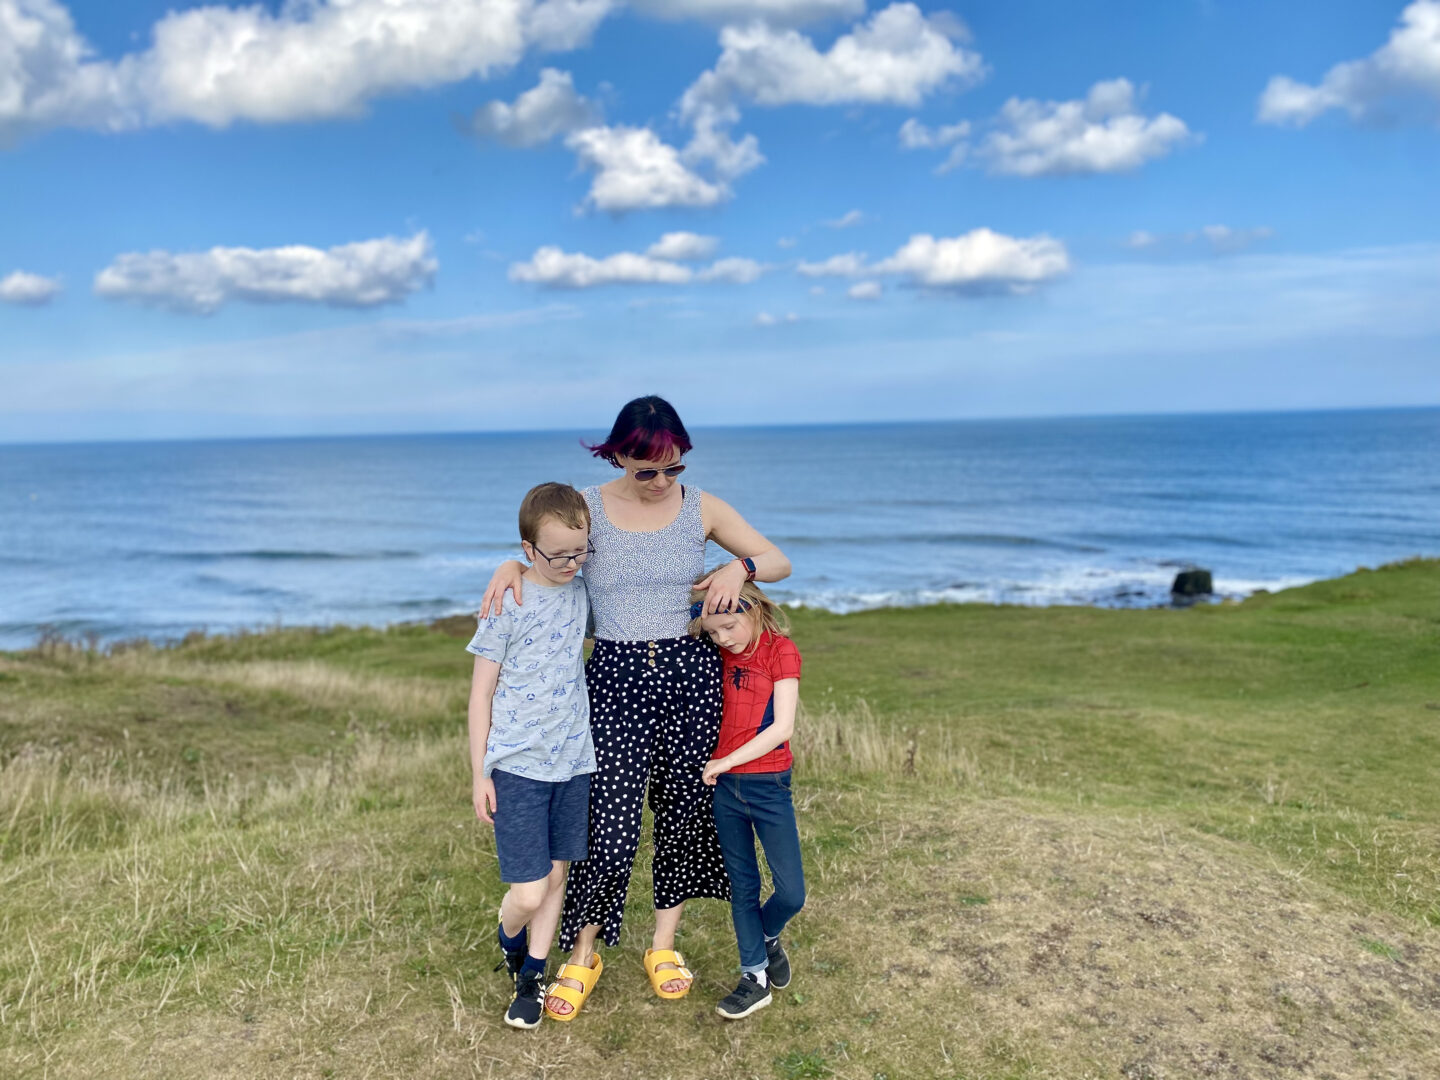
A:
(750, 771)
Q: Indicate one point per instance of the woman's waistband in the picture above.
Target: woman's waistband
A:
(657, 644)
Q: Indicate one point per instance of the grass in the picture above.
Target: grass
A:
(1059, 843)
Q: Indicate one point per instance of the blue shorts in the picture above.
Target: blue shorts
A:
(538, 822)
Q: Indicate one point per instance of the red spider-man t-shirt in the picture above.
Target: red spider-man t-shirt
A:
(750, 680)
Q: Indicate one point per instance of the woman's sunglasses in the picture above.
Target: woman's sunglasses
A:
(644, 475)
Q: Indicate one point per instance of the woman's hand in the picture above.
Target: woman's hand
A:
(509, 576)
(713, 769)
(722, 588)
(484, 798)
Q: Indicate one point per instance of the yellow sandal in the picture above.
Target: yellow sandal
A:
(653, 959)
(587, 977)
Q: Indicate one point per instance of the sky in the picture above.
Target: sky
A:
(352, 216)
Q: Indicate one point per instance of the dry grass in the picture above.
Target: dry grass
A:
(338, 923)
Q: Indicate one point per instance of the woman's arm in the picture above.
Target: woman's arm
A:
(482, 693)
(787, 697)
(509, 576)
(726, 527)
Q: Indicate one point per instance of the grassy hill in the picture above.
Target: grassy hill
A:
(1052, 842)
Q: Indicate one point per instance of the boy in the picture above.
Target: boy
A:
(530, 747)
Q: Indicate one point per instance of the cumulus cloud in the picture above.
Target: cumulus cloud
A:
(310, 60)
(979, 261)
(896, 58)
(635, 170)
(551, 108)
(554, 268)
(1104, 133)
(847, 220)
(28, 290)
(734, 270)
(683, 247)
(365, 274)
(865, 290)
(1406, 65)
(1141, 239)
(916, 136)
(775, 12)
(850, 264)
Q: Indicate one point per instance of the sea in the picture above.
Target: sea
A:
(116, 541)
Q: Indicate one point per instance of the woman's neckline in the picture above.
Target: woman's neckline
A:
(600, 490)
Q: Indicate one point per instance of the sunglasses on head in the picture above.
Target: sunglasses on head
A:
(650, 474)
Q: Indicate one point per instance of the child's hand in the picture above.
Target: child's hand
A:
(713, 769)
(484, 796)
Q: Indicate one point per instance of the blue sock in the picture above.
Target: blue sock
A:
(532, 964)
(516, 944)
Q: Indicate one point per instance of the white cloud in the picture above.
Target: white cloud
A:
(1104, 133)
(557, 269)
(1222, 239)
(635, 170)
(364, 274)
(313, 59)
(850, 264)
(737, 271)
(916, 136)
(29, 290)
(786, 242)
(711, 142)
(847, 220)
(865, 290)
(766, 319)
(978, 261)
(896, 58)
(775, 12)
(1225, 238)
(683, 247)
(1406, 65)
(551, 108)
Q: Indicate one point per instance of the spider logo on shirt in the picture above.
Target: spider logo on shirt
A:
(739, 677)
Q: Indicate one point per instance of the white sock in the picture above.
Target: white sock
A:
(760, 977)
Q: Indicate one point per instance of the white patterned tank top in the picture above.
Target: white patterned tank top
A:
(639, 582)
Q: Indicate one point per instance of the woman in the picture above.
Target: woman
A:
(655, 692)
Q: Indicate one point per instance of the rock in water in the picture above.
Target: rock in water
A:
(1193, 582)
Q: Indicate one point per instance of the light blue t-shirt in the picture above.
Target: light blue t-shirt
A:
(540, 716)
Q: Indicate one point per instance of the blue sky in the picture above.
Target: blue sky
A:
(407, 215)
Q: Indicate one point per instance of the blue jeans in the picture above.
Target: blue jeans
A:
(750, 807)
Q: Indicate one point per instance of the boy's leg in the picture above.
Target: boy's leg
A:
(520, 907)
(737, 842)
(547, 914)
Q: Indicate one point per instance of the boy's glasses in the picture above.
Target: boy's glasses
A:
(559, 562)
(644, 475)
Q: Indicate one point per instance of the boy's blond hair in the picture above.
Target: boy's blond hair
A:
(771, 615)
(559, 501)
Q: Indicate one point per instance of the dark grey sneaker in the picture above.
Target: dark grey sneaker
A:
(777, 969)
(529, 1004)
(745, 999)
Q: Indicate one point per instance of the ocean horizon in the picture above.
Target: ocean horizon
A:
(156, 539)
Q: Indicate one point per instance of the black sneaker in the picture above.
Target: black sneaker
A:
(777, 969)
(745, 999)
(529, 1003)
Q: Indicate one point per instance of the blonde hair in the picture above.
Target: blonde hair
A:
(767, 614)
(559, 501)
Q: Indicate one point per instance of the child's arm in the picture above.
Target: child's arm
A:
(787, 697)
(482, 693)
